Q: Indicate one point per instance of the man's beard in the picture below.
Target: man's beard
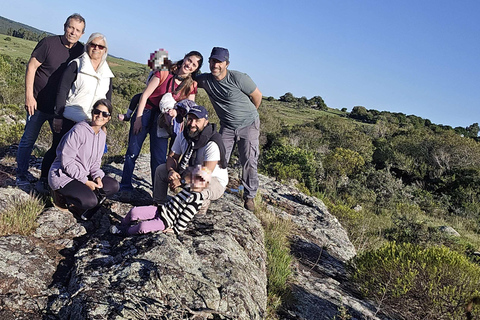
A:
(193, 135)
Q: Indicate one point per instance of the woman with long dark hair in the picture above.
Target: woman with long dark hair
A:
(179, 82)
(75, 177)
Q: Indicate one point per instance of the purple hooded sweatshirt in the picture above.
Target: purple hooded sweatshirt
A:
(79, 155)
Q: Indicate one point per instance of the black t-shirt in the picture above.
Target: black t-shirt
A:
(54, 57)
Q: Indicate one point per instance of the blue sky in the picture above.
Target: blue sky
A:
(418, 57)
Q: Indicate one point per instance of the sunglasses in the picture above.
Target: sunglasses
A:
(105, 114)
(94, 45)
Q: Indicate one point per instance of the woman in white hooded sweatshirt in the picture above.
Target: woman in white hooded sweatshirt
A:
(86, 80)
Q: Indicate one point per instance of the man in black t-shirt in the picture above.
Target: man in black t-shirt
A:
(44, 70)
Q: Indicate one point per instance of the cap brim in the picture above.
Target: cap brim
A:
(219, 58)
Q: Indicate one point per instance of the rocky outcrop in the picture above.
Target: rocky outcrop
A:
(321, 247)
(216, 269)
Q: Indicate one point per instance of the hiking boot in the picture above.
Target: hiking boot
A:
(203, 209)
(22, 181)
(249, 204)
(42, 186)
(59, 201)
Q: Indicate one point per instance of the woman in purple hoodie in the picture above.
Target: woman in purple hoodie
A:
(75, 177)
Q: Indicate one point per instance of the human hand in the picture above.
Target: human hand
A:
(30, 105)
(174, 184)
(99, 182)
(92, 185)
(57, 125)
(173, 175)
(137, 125)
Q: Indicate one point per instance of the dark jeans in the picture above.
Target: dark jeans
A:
(51, 154)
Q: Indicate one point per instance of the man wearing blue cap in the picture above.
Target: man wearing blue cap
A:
(236, 99)
(198, 144)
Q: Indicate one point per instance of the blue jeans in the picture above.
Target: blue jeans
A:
(32, 130)
(158, 147)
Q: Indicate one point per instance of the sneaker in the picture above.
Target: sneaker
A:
(203, 209)
(42, 186)
(115, 230)
(249, 204)
(22, 181)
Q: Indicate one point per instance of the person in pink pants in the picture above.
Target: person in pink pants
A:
(171, 216)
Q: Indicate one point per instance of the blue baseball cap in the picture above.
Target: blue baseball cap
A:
(220, 54)
(198, 111)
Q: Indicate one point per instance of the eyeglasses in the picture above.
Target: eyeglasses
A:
(94, 45)
(105, 114)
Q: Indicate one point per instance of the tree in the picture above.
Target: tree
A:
(288, 97)
(318, 102)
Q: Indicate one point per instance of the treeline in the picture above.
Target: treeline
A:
(315, 102)
(26, 34)
(373, 116)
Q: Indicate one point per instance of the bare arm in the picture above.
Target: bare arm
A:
(210, 165)
(30, 102)
(256, 97)
(172, 166)
(152, 85)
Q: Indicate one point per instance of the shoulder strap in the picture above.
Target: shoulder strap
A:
(163, 76)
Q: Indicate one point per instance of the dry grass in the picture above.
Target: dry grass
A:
(20, 215)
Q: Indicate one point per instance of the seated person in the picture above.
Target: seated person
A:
(198, 144)
(75, 177)
(172, 216)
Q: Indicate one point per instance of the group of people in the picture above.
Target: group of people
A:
(70, 86)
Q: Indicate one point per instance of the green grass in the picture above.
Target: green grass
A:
(20, 216)
(279, 259)
(16, 47)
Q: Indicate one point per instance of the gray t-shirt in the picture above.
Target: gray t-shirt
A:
(231, 98)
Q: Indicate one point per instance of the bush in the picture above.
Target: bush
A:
(287, 162)
(417, 283)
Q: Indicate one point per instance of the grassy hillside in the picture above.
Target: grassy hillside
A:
(5, 24)
(20, 48)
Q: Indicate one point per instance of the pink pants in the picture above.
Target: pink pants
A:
(149, 221)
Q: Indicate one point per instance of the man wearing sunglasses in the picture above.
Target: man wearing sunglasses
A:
(44, 69)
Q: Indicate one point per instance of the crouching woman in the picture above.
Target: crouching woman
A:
(75, 177)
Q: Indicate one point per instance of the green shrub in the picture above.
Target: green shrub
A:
(416, 282)
(288, 162)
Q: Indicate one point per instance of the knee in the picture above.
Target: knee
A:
(90, 201)
(161, 172)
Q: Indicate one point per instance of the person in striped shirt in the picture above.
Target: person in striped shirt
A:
(172, 216)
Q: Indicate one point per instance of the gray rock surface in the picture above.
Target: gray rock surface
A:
(215, 270)
(321, 247)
